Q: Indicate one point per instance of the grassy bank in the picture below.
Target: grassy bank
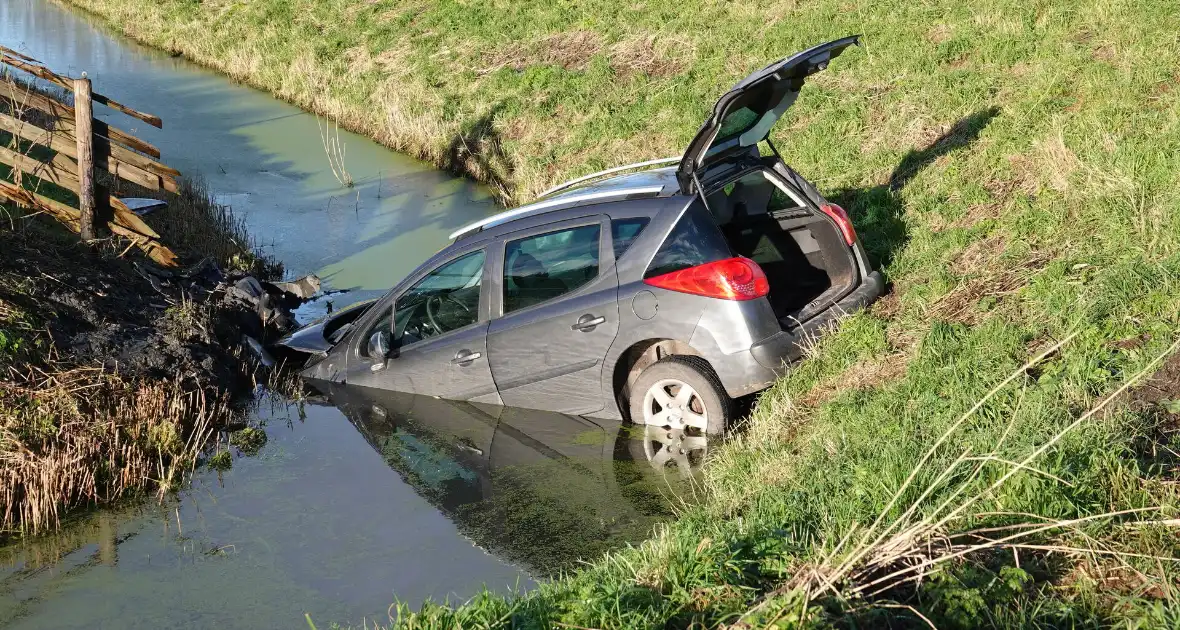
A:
(1013, 167)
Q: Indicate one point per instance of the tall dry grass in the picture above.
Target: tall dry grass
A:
(86, 436)
(335, 150)
(196, 227)
(869, 563)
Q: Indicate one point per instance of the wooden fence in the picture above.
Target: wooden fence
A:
(62, 145)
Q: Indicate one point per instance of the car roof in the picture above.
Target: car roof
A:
(665, 178)
(649, 184)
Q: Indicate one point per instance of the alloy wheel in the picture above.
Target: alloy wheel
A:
(674, 404)
(675, 420)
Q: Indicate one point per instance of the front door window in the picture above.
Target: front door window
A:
(446, 299)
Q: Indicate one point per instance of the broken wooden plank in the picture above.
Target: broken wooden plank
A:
(119, 107)
(19, 55)
(60, 170)
(154, 249)
(65, 144)
(146, 239)
(103, 146)
(36, 69)
(127, 218)
(41, 72)
(127, 156)
(29, 199)
(65, 117)
(24, 97)
(116, 135)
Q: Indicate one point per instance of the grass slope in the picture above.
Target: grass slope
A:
(1013, 166)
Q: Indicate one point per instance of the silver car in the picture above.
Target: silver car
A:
(656, 296)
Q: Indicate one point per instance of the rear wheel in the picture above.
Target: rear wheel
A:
(681, 393)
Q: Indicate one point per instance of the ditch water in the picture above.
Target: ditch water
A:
(354, 501)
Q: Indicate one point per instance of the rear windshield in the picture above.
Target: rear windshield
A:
(695, 240)
(737, 122)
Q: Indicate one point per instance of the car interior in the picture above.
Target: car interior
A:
(445, 300)
(804, 256)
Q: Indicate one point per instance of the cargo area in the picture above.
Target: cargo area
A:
(802, 252)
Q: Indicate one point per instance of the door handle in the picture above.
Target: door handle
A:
(465, 357)
(586, 323)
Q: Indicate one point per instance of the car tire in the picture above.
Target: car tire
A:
(709, 406)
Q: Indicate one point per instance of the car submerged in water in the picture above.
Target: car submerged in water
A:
(657, 296)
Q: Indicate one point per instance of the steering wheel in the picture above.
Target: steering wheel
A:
(434, 303)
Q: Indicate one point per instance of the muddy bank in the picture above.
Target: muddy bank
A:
(113, 374)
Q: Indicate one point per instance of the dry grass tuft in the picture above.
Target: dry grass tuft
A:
(861, 376)
(571, 50)
(335, 151)
(975, 214)
(196, 226)
(939, 34)
(85, 436)
(979, 255)
(394, 62)
(360, 60)
(869, 562)
(888, 306)
(995, 280)
(1105, 52)
(1057, 162)
(651, 55)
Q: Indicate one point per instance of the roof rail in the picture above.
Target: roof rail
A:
(551, 204)
(608, 171)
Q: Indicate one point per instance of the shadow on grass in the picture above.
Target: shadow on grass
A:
(878, 211)
(478, 151)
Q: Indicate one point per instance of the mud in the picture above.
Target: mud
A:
(99, 309)
(1157, 400)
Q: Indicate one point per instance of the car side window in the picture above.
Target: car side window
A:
(445, 299)
(624, 231)
(695, 240)
(542, 267)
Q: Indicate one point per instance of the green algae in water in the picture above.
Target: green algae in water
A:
(221, 462)
(250, 440)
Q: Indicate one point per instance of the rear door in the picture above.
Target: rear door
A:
(558, 316)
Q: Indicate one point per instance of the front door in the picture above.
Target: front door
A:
(559, 316)
(438, 334)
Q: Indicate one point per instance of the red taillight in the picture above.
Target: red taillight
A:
(729, 279)
(840, 216)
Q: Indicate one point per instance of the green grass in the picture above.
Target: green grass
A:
(1013, 167)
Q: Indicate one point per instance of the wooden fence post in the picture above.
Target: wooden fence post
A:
(84, 132)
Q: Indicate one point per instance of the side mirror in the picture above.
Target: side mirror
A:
(379, 344)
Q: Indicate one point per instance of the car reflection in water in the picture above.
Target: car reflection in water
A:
(539, 489)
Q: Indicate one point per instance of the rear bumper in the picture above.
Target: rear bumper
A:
(780, 349)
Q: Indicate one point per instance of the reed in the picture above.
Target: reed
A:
(334, 149)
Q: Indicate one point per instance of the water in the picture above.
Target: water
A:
(424, 498)
(261, 156)
(354, 501)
